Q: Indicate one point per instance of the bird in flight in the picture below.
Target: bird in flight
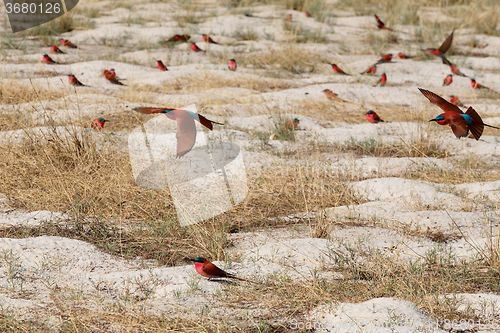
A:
(460, 123)
(208, 39)
(381, 24)
(186, 129)
(442, 49)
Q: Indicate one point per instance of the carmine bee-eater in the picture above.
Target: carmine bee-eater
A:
(292, 124)
(455, 101)
(98, 124)
(195, 48)
(207, 269)
(476, 85)
(178, 38)
(460, 123)
(161, 66)
(186, 129)
(372, 117)
(54, 49)
(454, 69)
(443, 48)
(382, 81)
(331, 95)
(381, 24)
(67, 43)
(307, 14)
(385, 59)
(112, 71)
(208, 39)
(448, 80)
(48, 60)
(232, 65)
(337, 70)
(401, 55)
(371, 70)
(74, 81)
(111, 78)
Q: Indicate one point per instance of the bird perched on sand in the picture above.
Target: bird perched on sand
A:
(370, 70)
(178, 38)
(455, 101)
(381, 24)
(331, 95)
(98, 124)
(337, 70)
(67, 43)
(112, 71)
(74, 81)
(54, 49)
(372, 117)
(292, 124)
(48, 60)
(186, 129)
(448, 80)
(208, 39)
(195, 48)
(382, 81)
(108, 75)
(207, 269)
(460, 123)
(232, 65)
(161, 66)
(401, 55)
(385, 59)
(307, 14)
(443, 48)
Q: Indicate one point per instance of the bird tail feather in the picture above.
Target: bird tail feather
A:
(207, 123)
(477, 125)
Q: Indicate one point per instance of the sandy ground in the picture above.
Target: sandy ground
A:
(42, 263)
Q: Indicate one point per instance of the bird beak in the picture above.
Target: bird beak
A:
(432, 120)
(191, 259)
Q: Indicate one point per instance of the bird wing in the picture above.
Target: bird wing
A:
(477, 125)
(447, 43)
(459, 126)
(439, 101)
(379, 21)
(214, 271)
(446, 61)
(150, 110)
(186, 132)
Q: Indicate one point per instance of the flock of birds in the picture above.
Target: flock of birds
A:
(461, 123)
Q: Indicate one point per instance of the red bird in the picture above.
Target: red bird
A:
(454, 69)
(372, 117)
(476, 85)
(161, 66)
(55, 49)
(208, 39)
(112, 71)
(67, 43)
(460, 123)
(207, 269)
(178, 38)
(48, 60)
(74, 81)
(337, 70)
(307, 14)
(382, 81)
(385, 58)
(98, 124)
(331, 95)
(111, 78)
(455, 101)
(195, 48)
(232, 65)
(381, 24)
(443, 48)
(371, 70)
(292, 124)
(401, 55)
(448, 80)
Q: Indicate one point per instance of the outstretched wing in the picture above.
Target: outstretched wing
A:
(150, 110)
(447, 43)
(439, 101)
(379, 21)
(459, 127)
(186, 132)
